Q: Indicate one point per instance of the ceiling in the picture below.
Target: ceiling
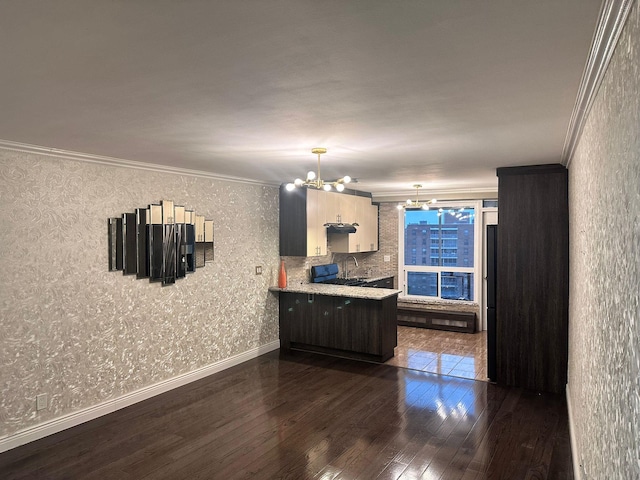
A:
(399, 92)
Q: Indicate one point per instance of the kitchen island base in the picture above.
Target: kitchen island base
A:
(361, 328)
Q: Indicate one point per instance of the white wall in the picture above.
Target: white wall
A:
(84, 335)
(604, 313)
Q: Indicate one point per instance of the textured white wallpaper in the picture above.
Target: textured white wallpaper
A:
(604, 327)
(83, 335)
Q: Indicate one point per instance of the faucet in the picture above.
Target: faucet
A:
(346, 265)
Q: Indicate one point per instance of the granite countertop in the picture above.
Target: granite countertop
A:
(340, 290)
(439, 304)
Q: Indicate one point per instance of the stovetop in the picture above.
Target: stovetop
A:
(349, 282)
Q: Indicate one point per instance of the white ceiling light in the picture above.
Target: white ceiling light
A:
(315, 181)
(411, 205)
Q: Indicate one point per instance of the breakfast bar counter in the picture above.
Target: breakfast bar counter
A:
(354, 322)
(339, 290)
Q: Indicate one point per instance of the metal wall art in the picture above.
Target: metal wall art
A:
(161, 242)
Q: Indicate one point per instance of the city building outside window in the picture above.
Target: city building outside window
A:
(447, 268)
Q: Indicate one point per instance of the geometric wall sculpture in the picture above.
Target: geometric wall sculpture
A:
(161, 242)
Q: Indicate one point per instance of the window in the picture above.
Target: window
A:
(457, 285)
(447, 267)
(425, 284)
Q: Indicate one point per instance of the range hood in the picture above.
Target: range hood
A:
(341, 227)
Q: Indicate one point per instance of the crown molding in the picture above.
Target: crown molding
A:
(611, 20)
(444, 194)
(119, 162)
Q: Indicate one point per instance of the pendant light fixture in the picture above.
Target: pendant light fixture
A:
(315, 181)
(417, 205)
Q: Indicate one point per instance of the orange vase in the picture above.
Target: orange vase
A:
(282, 276)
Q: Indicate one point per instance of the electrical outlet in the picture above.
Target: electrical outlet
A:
(387, 258)
(41, 401)
(583, 472)
(259, 270)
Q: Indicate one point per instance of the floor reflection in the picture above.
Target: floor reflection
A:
(446, 397)
(439, 414)
(446, 353)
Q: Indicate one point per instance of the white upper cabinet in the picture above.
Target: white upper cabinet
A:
(347, 207)
(357, 210)
(316, 218)
(369, 238)
(332, 206)
(304, 213)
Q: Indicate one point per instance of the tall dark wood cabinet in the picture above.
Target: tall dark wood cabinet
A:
(532, 300)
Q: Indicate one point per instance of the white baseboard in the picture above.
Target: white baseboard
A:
(76, 418)
(575, 453)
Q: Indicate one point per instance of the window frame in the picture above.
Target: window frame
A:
(476, 270)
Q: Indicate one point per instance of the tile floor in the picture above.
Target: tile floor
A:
(447, 353)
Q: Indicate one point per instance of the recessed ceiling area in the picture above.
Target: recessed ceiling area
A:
(439, 93)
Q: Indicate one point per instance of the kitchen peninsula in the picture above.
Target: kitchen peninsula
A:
(355, 322)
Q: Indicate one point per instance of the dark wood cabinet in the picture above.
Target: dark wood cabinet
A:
(532, 287)
(352, 327)
(293, 222)
(449, 320)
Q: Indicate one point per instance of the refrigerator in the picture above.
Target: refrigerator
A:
(492, 244)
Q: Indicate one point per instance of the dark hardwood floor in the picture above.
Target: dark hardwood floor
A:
(304, 416)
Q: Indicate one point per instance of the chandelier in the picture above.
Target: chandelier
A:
(315, 181)
(411, 205)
